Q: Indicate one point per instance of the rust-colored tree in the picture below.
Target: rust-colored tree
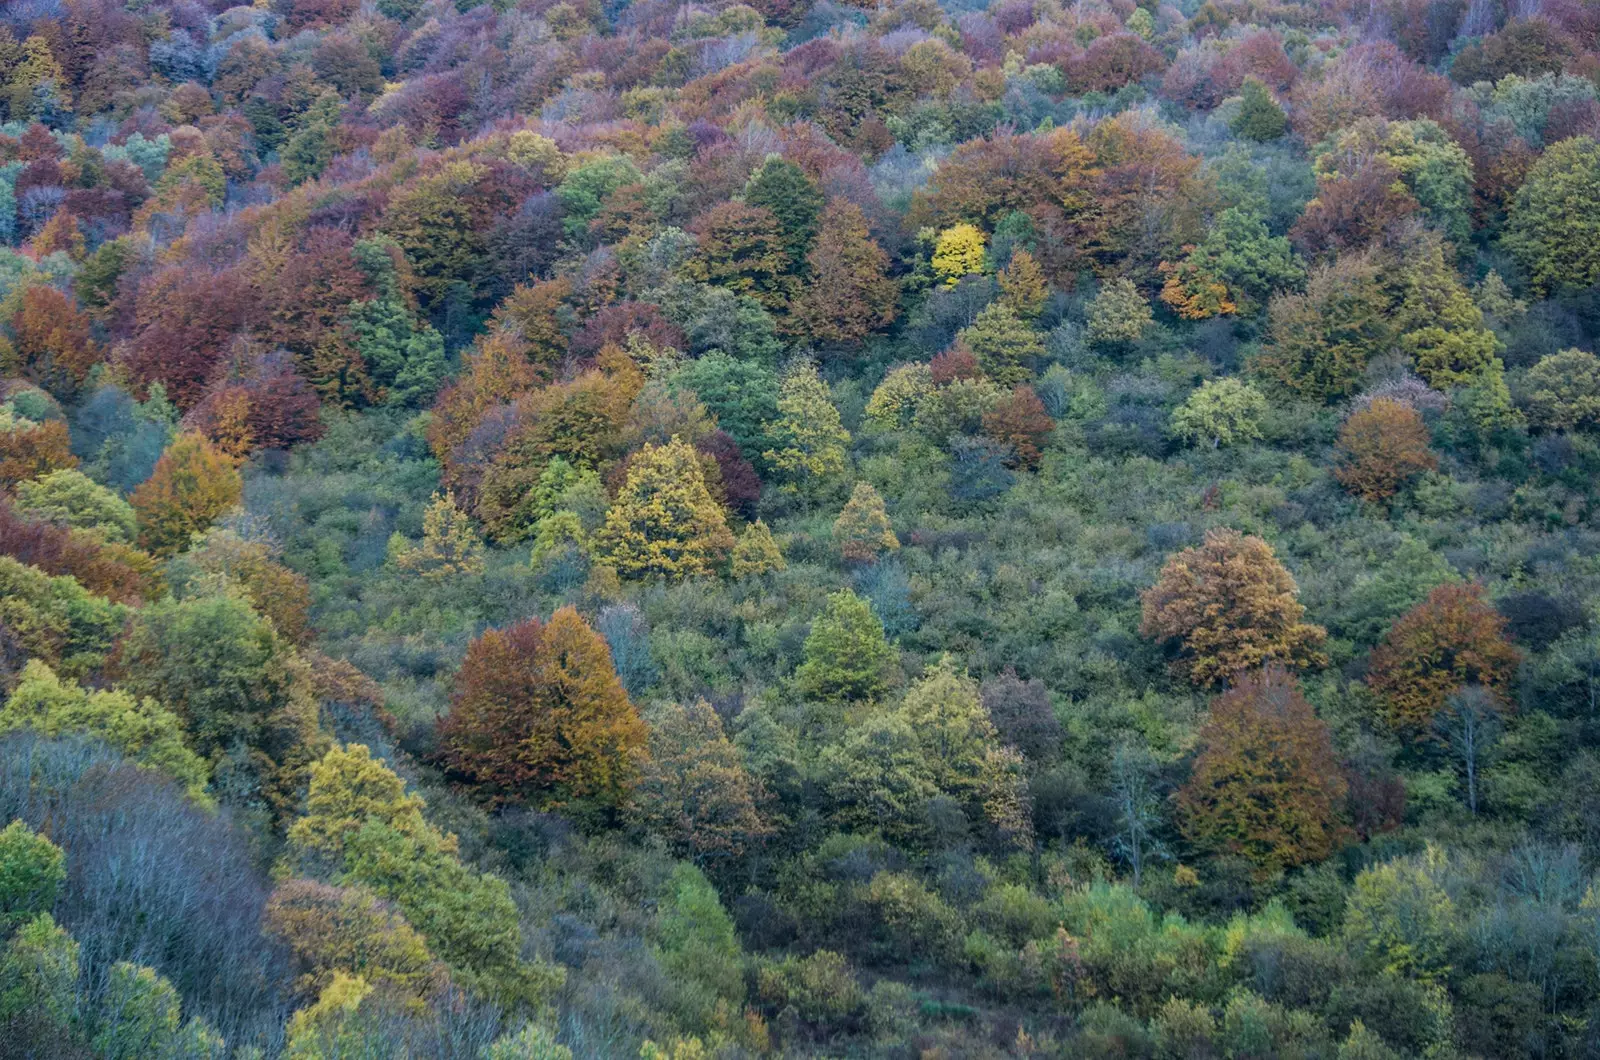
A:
(1227, 607)
(191, 485)
(53, 347)
(1266, 785)
(539, 718)
(1382, 447)
(849, 293)
(1452, 639)
(29, 449)
(1020, 421)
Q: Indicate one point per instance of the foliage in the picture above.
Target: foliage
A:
(756, 552)
(1383, 446)
(451, 546)
(1221, 411)
(1563, 391)
(808, 438)
(664, 523)
(539, 717)
(72, 498)
(863, 533)
(694, 789)
(192, 485)
(959, 251)
(31, 873)
(846, 654)
(1119, 314)
(1453, 639)
(1550, 229)
(1229, 606)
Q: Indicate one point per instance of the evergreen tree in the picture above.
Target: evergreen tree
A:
(1259, 117)
(793, 198)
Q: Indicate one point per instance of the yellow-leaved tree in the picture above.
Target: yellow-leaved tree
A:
(665, 523)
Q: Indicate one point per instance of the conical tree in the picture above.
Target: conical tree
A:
(847, 656)
(450, 543)
(793, 198)
(1004, 343)
(540, 718)
(756, 552)
(664, 522)
(191, 485)
(863, 532)
(848, 293)
(1022, 285)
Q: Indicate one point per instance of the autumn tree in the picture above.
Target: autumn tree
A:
(1229, 606)
(1554, 227)
(1382, 446)
(192, 485)
(538, 717)
(847, 656)
(756, 552)
(863, 532)
(664, 522)
(959, 251)
(1440, 326)
(1119, 314)
(1266, 784)
(1022, 285)
(32, 870)
(71, 498)
(694, 789)
(848, 293)
(252, 567)
(1019, 420)
(29, 449)
(451, 545)
(53, 347)
(351, 930)
(742, 249)
(1453, 639)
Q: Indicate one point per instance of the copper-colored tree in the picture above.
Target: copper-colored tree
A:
(1452, 639)
(1229, 606)
(1266, 784)
(1382, 447)
(192, 484)
(1020, 421)
(539, 717)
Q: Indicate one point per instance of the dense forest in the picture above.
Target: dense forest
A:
(702, 531)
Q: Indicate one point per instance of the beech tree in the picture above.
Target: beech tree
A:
(863, 532)
(1383, 446)
(1554, 228)
(1266, 784)
(1229, 606)
(538, 717)
(664, 522)
(848, 293)
(193, 483)
(1453, 639)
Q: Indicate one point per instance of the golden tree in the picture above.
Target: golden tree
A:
(191, 485)
(1229, 606)
(665, 522)
(862, 532)
(1382, 447)
(1452, 639)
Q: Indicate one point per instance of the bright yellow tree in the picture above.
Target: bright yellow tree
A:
(665, 522)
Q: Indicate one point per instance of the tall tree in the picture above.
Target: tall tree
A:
(1229, 606)
(1554, 229)
(664, 522)
(1266, 784)
(848, 293)
(808, 437)
(793, 199)
(1383, 446)
(192, 484)
(1453, 639)
(538, 717)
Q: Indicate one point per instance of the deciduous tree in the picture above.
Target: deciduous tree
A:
(1229, 606)
(1563, 391)
(1554, 228)
(1453, 639)
(1266, 784)
(848, 293)
(1382, 446)
(1004, 343)
(664, 522)
(847, 656)
(538, 717)
(863, 532)
(808, 436)
(193, 483)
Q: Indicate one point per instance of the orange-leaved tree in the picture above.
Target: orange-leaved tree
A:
(540, 718)
(1452, 639)
(1229, 606)
(1382, 447)
(191, 485)
(1266, 785)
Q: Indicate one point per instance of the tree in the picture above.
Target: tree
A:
(53, 347)
(362, 827)
(1399, 920)
(1227, 607)
(808, 438)
(1023, 715)
(1259, 117)
(664, 522)
(242, 692)
(863, 532)
(1221, 411)
(1319, 342)
(141, 729)
(55, 619)
(847, 656)
(1119, 314)
(959, 251)
(277, 593)
(694, 789)
(742, 395)
(848, 293)
(1451, 640)
(1470, 726)
(1563, 391)
(192, 484)
(742, 249)
(756, 552)
(794, 200)
(1243, 257)
(538, 717)
(330, 930)
(1554, 227)
(141, 1017)
(1003, 342)
(1382, 446)
(29, 449)
(71, 498)
(1266, 785)
(38, 982)
(1022, 285)
(1137, 807)
(895, 401)
(451, 546)
(1019, 420)
(1440, 325)
(32, 870)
